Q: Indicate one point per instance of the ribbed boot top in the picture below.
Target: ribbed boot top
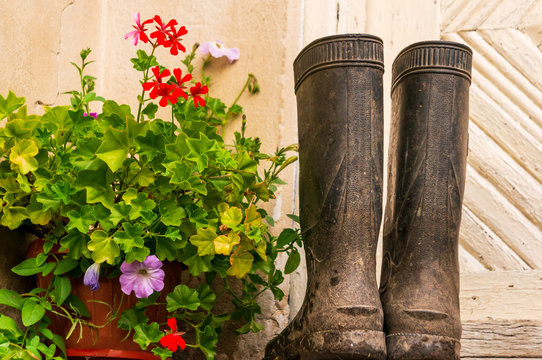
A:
(337, 51)
(433, 56)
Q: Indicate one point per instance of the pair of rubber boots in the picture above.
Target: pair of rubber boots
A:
(415, 315)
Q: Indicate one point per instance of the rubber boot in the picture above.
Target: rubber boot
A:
(428, 156)
(340, 121)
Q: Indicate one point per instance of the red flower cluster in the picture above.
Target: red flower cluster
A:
(166, 35)
(173, 340)
(171, 91)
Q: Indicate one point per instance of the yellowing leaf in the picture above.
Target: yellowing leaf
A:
(225, 243)
(241, 263)
(261, 250)
(204, 240)
(253, 217)
(103, 247)
(231, 217)
(22, 154)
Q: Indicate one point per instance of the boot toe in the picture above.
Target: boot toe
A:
(422, 347)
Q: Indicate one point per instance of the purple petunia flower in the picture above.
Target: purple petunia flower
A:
(92, 275)
(93, 114)
(142, 277)
(217, 49)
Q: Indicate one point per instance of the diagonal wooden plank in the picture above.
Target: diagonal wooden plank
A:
(469, 262)
(485, 246)
(518, 50)
(469, 16)
(507, 14)
(513, 83)
(523, 237)
(500, 126)
(513, 181)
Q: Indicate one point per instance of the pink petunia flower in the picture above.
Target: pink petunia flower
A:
(217, 49)
(143, 278)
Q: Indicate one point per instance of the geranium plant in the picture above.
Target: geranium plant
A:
(116, 194)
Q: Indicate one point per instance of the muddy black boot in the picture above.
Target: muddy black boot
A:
(339, 104)
(428, 157)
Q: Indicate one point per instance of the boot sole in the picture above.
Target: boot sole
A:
(422, 347)
(335, 344)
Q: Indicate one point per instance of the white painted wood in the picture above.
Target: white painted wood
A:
(500, 126)
(469, 262)
(513, 84)
(501, 295)
(507, 14)
(503, 218)
(320, 19)
(519, 51)
(486, 246)
(513, 181)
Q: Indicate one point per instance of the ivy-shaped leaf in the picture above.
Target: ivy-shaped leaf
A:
(103, 247)
(231, 217)
(147, 334)
(241, 263)
(252, 217)
(22, 154)
(224, 243)
(171, 213)
(182, 297)
(199, 150)
(114, 148)
(196, 264)
(207, 297)
(204, 240)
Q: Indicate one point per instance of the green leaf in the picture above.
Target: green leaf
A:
(132, 317)
(199, 149)
(22, 154)
(11, 298)
(164, 353)
(65, 265)
(150, 110)
(140, 205)
(241, 263)
(293, 262)
(81, 220)
(143, 61)
(251, 326)
(103, 247)
(14, 216)
(97, 183)
(75, 242)
(32, 312)
(293, 217)
(10, 104)
(171, 213)
(224, 243)
(196, 264)
(207, 341)
(207, 297)
(147, 334)
(27, 267)
(231, 217)
(204, 240)
(77, 305)
(8, 324)
(114, 148)
(182, 297)
(62, 288)
(286, 237)
(119, 212)
(60, 343)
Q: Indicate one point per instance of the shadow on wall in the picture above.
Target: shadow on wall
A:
(13, 245)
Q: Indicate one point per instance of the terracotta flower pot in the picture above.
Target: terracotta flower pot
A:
(106, 342)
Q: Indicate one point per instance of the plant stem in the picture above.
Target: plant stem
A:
(145, 78)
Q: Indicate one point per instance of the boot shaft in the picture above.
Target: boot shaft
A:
(427, 170)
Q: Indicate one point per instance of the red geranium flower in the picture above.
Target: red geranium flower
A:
(173, 340)
(162, 32)
(159, 88)
(139, 32)
(196, 91)
(174, 40)
(178, 88)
